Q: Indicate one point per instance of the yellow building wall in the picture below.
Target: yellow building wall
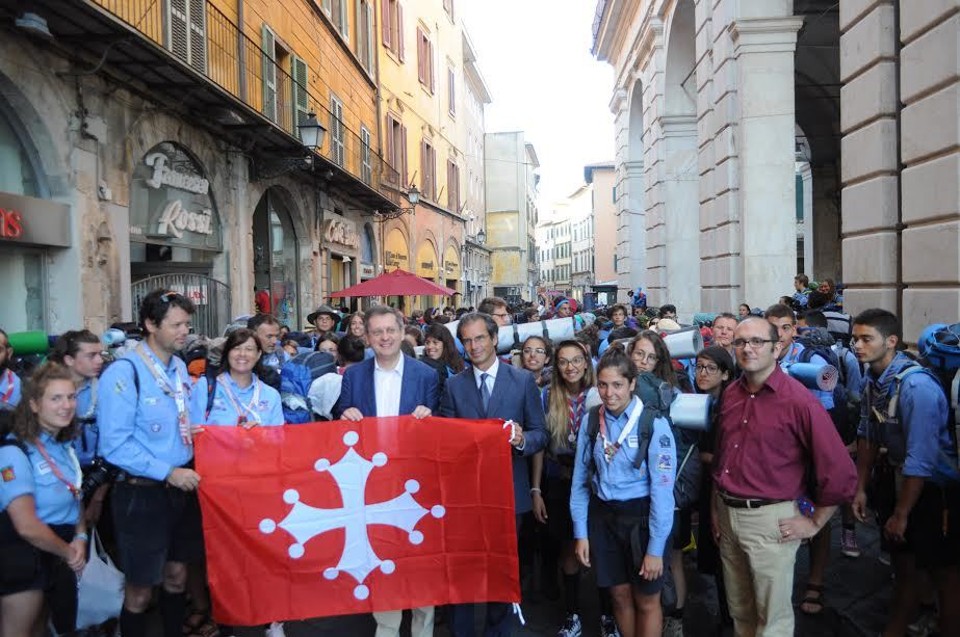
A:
(425, 115)
(507, 268)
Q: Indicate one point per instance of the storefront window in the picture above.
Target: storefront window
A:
(16, 173)
(276, 261)
(21, 288)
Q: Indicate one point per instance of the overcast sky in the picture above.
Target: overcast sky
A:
(535, 58)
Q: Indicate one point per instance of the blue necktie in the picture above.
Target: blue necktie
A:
(484, 391)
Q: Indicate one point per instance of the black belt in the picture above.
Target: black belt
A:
(137, 481)
(746, 503)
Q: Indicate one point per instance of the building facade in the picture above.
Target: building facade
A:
(158, 146)
(582, 261)
(510, 165)
(421, 58)
(602, 179)
(728, 145)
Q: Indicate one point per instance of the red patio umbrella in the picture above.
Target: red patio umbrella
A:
(396, 283)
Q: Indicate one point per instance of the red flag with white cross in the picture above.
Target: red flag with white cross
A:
(340, 518)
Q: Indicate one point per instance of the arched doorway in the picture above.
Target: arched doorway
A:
(276, 259)
(428, 269)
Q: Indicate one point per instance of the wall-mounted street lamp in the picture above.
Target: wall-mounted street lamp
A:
(311, 132)
(413, 196)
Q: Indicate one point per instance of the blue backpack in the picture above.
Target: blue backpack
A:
(296, 376)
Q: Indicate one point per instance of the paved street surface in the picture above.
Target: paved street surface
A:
(858, 592)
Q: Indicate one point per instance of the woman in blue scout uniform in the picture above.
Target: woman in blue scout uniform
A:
(9, 382)
(43, 540)
(622, 514)
(239, 396)
(566, 399)
(145, 431)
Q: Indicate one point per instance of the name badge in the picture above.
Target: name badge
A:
(43, 467)
(632, 441)
(149, 401)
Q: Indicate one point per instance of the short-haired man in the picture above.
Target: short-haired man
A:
(497, 308)
(724, 326)
(801, 283)
(145, 431)
(400, 385)
(10, 391)
(906, 454)
(771, 439)
(266, 327)
(668, 311)
(491, 389)
(324, 319)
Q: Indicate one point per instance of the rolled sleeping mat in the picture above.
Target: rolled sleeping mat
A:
(513, 336)
(685, 343)
(114, 337)
(691, 411)
(34, 342)
(814, 376)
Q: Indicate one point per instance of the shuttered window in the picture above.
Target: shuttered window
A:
(453, 187)
(300, 97)
(269, 46)
(425, 70)
(391, 27)
(366, 165)
(365, 41)
(336, 131)
(187, 32)
(396, 144)
(451, 91)
(428, 168)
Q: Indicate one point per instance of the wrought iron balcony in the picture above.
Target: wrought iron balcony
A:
(196, 61)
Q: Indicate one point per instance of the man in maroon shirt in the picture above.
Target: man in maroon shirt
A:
(773, 440)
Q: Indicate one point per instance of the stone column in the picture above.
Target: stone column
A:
(681, 212)
(764, 51)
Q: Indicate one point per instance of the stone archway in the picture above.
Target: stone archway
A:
(677, 173)
(631, 211)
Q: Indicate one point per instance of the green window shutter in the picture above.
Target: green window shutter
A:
(268, 43)
(300, 101)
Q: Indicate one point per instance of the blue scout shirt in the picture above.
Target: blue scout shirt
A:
(793, 356)
(85, 442)
(9, 390)
(30, 474)
(141, 434)
(917, 435)
(619, 480)
(267, 409)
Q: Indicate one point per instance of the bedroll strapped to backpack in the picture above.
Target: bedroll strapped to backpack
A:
(296, 376)
(657, 397)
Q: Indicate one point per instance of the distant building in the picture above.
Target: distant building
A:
(511, 192)
(606, 248)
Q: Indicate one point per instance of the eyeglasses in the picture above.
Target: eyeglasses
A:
(643, 357)
(573, 362)
(754, 343)
(501, 314)
(534, 350)
(166, 297)
(707, 369)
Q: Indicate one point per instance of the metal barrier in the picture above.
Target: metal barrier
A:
(211, 297)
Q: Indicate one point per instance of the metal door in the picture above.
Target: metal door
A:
(211, 297)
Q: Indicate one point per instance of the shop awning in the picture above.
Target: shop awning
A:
(396, 283)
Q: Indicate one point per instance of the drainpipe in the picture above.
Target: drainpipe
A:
(898, 116)
(241, 54)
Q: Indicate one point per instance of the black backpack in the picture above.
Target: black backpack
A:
(657, 396)
(819, 342)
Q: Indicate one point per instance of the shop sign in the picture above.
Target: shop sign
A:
(451, 263)
(170, 201)
(395, 253)
(342, 232)
(366, 271)
(426, 261)
(32, 221)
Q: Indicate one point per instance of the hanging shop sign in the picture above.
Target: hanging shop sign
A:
(32, 221)
(341, 232)
(171, 203)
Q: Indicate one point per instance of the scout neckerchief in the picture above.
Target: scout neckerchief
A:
(577, 406)
(73, 487)
(5, 398)
(225, 381)
(611, 449)
(93, 401)
(178, 394)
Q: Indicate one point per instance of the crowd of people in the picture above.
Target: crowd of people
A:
(604, 479)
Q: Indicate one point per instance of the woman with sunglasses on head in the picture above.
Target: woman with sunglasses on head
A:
(566, 399)
(534, 354)
(715, 370)
(43, 536)
(237, 396)
(621, 499)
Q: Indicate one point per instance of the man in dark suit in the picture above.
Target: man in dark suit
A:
(491, 389)
(389, 384)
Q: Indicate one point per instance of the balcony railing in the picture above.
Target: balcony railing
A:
(211, 44)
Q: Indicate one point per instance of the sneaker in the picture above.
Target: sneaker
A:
(848, 543)
(608, 626)
(884, 558)
(926, 623)
(672, 627)
(571, 626)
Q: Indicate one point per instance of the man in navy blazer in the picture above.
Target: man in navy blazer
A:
(389, 384)
(492, 389)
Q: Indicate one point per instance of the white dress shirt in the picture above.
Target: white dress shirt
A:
(386, 388)
(491, 375)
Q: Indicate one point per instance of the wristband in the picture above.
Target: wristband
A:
(81, 536)
(536, 490)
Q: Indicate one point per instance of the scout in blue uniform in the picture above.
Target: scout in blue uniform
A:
(622, 516)
(239, 397)
(9, 382)
(145, 431)
(905, 450)
(43, 540)
(81, 352)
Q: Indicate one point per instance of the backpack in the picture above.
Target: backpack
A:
(948, 381)
(820, 342)
(939, 346)
(296, 376)
(839, 326)
(657, 397)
